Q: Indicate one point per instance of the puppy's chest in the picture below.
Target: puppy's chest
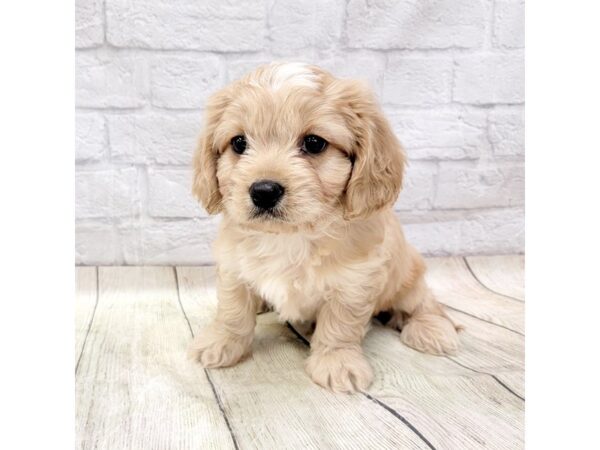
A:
(291, 276)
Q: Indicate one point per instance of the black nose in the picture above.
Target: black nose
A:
(266, 193)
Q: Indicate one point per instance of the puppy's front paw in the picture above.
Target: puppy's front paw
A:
(341, 370)
(218, 348)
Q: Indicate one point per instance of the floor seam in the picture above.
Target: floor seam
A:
(488, 374)
(507, 388)
(482, 319)
(375, 400)
(400, 417)
(206, 373)
(464, 258)
(179, 300)
(91, 320)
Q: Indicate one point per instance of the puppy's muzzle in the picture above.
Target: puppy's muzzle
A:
(265, 194)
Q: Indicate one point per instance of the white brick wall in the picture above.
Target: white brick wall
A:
(449, 74)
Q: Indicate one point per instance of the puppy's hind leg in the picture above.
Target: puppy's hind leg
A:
(424, 324)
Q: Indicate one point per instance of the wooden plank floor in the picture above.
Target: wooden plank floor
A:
(135, 389)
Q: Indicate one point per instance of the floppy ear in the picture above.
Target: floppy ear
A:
(205, 185)
(378, 157)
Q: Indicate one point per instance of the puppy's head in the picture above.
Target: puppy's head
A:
(291, 147)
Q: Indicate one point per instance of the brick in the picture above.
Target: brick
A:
(487, 232)
(106, 79)
(384, 24)
(417, 81)
(210, 25)
(509, 24)
(238, 67)
(185, 82)
(506, 131)
(489, 78)
(106, 193)
(357, 65)
(459, 114)
(89, 23)
(154, 138)
(418, 187)
(368, 67)
(96, 244)
(90, 137)
(433, 135)
(304, 24)
(479, 186)
(170, 194)
(186, 242)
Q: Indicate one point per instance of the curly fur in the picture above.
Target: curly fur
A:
(335, 253)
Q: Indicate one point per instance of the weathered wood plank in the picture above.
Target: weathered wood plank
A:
(465, 410)
(452, 406)
(484, 347)
(504, 274)
(513, 380)
(135, 387)
(85, 301)
(488, 348)
(271, 402)
(455, 406)
(453, 285)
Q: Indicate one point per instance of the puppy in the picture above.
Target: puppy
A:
(305, 169)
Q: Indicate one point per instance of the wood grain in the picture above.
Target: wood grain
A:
(493, 349)
(514, 380)
(454, 285)
(270, 401)
(135, 389)
(450, 405)
(504, 274)
(440, 396)
(85, 301)
(485, 347)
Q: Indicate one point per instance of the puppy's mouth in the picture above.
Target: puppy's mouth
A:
(267, 214)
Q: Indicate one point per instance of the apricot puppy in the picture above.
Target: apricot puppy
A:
(305, 169)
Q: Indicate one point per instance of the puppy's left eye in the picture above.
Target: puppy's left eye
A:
(238, 143)
(313, 144)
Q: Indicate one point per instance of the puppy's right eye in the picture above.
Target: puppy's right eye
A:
(238, 143)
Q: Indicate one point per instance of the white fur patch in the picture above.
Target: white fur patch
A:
(297, 74)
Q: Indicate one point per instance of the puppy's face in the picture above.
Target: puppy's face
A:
(289, 147)
(283, 158)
